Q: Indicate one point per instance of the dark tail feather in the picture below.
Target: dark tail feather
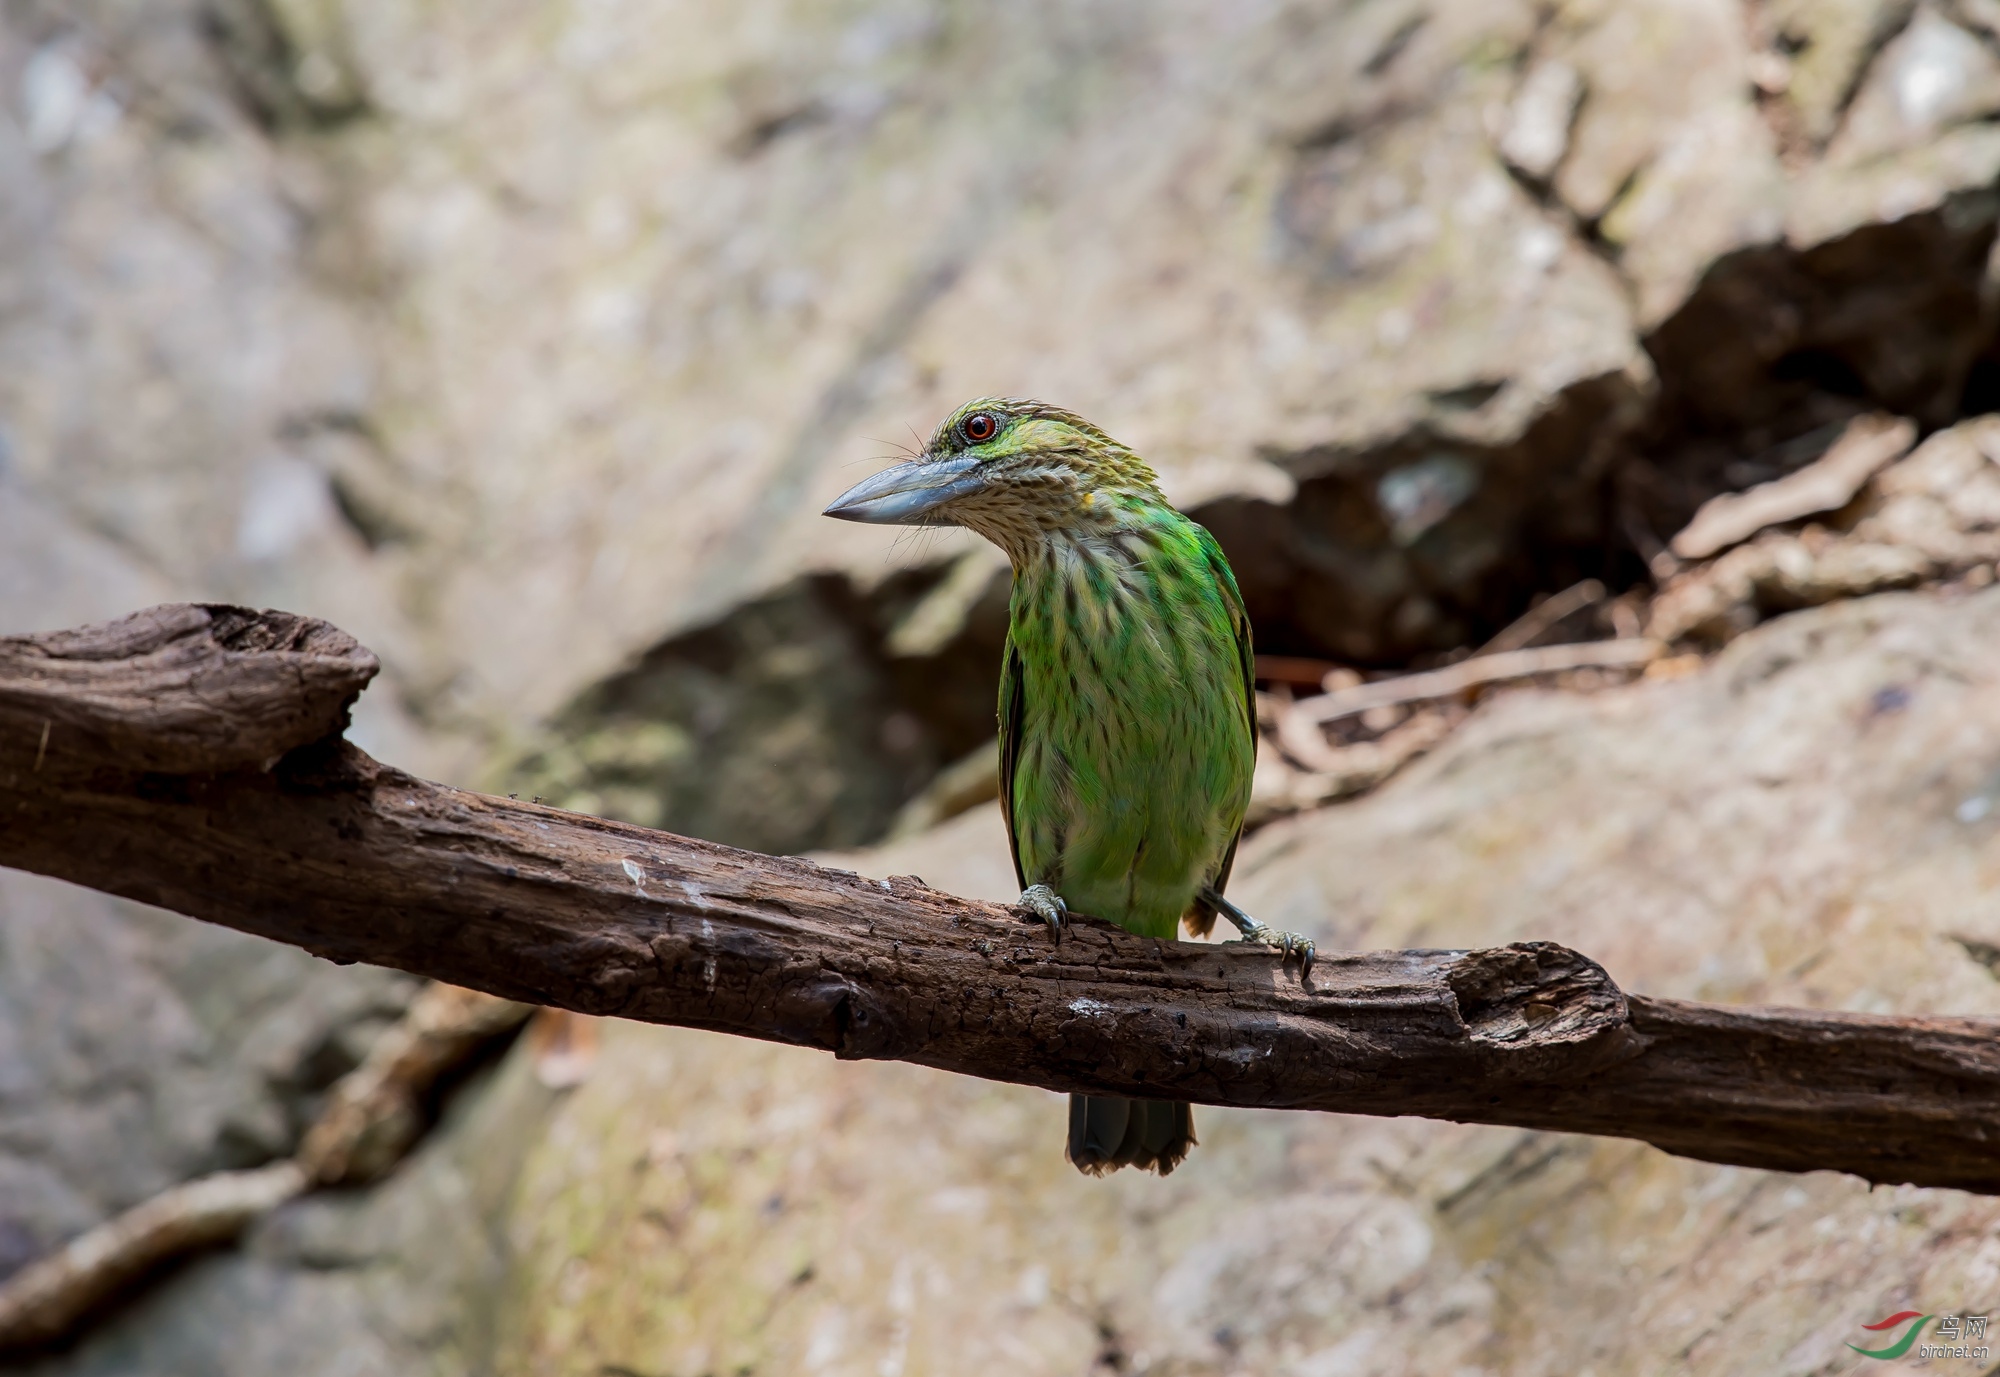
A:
(1106, 1133)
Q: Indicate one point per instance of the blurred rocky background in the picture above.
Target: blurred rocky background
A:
(525, 339)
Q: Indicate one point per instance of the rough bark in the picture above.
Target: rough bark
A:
(326, 848)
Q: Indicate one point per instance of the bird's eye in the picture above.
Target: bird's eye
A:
(979, 427)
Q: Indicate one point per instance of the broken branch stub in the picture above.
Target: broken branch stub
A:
(333, 852)
(180, 689)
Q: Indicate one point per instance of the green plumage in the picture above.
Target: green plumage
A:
(1127, 734)
(1127, 720)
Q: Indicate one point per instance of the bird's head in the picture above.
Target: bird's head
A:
(1017, 472)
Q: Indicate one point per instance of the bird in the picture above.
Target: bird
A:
(1127, 718)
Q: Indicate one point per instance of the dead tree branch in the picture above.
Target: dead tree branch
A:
(371, 1118)
(1828, 483)
(189, 757)
(45, 1300)
(1476, 672)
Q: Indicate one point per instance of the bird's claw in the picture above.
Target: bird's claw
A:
(1289, 944)
(1047, 905)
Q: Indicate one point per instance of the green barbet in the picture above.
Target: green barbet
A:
(1128, 728)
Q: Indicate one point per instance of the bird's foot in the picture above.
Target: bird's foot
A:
(1288, 944)
(1046, 905)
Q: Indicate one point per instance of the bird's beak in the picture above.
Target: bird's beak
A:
(910, 494)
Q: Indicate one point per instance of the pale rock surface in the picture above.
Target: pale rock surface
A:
(535, 335)
(174, 372)
(811, 227)
(138, 1050)
(406, 1278)
(1813, 820)
(520, 338)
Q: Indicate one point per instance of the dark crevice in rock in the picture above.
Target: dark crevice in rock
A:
(1538, 183)
(1772, 47)
(1985, 953)
(1586, 230)
(1384, 57)
(766, 129)
(1981, 394)
(280, 81)
(785, 726)
(1890, 21)
(1893, 312)
(1778, 346)
(1784, 35)
(368, 488)
(1427, 545)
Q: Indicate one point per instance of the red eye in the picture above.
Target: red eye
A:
(979, 427)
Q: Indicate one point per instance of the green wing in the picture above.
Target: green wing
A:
(1239, 625)
(1013, 707)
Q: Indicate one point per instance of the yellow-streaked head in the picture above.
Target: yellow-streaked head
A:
(1015, 471)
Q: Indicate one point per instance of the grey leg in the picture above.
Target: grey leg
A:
(1047, 905)
(1288, 944)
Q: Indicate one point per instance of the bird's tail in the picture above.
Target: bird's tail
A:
(1106, 1133)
